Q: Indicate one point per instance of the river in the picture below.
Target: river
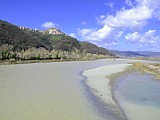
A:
(138, 95)
(47, 91)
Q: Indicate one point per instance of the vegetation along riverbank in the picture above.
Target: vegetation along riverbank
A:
(22, 45)
(152, 68)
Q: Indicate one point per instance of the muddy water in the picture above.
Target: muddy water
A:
(48, 91)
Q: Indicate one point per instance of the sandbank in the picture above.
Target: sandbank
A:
(99, 84)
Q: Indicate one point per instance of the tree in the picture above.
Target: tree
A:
(5, 51)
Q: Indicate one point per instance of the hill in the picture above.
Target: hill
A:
(146, 54)
(22, 38)
(149, 53)
(22, 43)
(53, 31)
(127, 53)
(91, 48)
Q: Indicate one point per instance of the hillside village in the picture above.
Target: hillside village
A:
(21, 43)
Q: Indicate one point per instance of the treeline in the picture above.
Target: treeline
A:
(41, 53)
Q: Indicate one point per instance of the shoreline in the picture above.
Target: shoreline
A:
(99, 84)
(8, 62)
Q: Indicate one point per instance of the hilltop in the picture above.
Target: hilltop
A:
(53, 31)
(21, 43)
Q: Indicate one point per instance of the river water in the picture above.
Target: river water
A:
(54, 91)
(139, 96)
(47, 91)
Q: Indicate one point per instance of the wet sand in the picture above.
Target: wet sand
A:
(48, 91)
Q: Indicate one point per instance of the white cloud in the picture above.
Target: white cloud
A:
(102, 16)
(133, 37)
(148, 39)
(134, 18)
(73, 35)
(95, 35)
(84, 32)
(110, 4)
(49, 25)
(155, 5)
(152, 5)
(107, 36)
(130, 3)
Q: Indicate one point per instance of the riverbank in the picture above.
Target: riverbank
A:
(99, 84)
(151, 68)
(101, 81)
(8, 62)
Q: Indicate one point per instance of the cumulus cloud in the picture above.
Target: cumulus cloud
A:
(147, 39)
(132, 18)
(135, 17)
(95, 35)
(49, 25)
(106, 36)
(73, 35)
(152, 5)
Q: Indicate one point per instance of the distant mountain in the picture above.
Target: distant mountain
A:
(149, 53)
(135, 53)
(126, 53)
(24, 43)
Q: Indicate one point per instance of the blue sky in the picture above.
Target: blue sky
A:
(113, 24)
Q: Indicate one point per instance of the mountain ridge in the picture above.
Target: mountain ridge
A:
(149, 53)
(126, 53)
(135, 53)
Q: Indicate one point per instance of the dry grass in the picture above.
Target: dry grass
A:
(149, 68)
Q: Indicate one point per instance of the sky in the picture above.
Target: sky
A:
(114, 24)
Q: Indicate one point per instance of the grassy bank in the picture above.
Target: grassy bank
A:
(153, 68)
(8, 62)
